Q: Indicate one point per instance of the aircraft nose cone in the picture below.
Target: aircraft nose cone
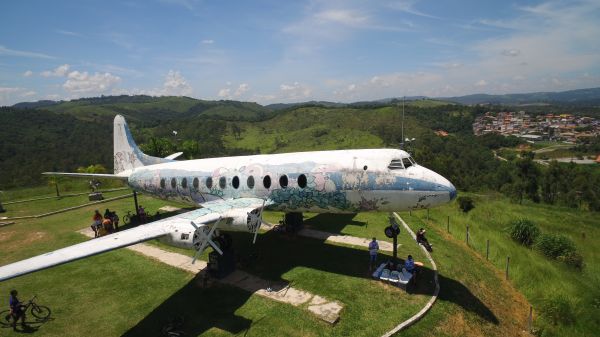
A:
(452, 192)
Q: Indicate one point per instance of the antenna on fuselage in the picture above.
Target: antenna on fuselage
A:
(402, 128)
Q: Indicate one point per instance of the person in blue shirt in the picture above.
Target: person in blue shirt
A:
(373, 249)
(409, 264)
(16, 309)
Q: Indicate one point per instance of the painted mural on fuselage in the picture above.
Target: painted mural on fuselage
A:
(344, 181)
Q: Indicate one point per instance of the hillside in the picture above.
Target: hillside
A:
(578, 97)
(33, 141)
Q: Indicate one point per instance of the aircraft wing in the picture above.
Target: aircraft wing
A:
(210, 213)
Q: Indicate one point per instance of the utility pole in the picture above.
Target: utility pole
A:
(402, 142)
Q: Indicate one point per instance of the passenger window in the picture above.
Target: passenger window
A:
(173, 182)
(209, 182)
(283, 181)
(235, 182)
(267, 182)
(196, 183)
(162, 183)
(302, 181)
(250, 182)
(222, 182)
(184, 183)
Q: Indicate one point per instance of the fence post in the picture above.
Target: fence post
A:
(410, 212)
(507, 265)
(448, 225)
(467, 234)
(487, 249)
(530, 319)
(428, 214)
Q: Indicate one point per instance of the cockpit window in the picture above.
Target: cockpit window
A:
(396, 164)
(400, 164)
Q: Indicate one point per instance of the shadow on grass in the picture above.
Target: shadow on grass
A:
(274, 255)
(201, 309)
(333, 223)
(32, 324)
(452, 291)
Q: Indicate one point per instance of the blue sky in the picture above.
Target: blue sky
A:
(290, 51)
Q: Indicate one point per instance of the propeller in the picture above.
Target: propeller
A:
(206, 239)
(262, 208)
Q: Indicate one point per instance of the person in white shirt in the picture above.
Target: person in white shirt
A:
(373, 249)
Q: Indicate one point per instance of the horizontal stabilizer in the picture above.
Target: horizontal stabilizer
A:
(86, 175)
(174, 155)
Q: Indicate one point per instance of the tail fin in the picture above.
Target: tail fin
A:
(127, 154)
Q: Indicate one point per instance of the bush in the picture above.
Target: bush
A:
(558, 310)
(523, 231)
(465, 204)
(553, 245)
(573, 259)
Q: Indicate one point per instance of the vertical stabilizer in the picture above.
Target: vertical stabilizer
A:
(127, 155)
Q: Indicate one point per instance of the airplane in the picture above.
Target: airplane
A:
(233, 192)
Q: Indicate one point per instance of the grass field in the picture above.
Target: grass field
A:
(121, 293)
(538, 278)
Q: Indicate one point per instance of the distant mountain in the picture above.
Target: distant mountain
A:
(35, 105)
(589, 96)
(326, 104)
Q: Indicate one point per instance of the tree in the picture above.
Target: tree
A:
(527, 173)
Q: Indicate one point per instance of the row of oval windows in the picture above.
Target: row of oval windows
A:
(235, 182)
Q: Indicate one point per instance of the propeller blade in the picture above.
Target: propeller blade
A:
(206, 240)
(260, 221)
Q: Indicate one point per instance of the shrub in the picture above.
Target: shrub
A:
(465, 204)
(553, 245)
(573, 259)
(558, 310)
(523, 231)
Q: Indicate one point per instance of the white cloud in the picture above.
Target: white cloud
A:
(8, 90)
(294, 91)
(28, 73)
(28, 93)
(59, 71)
(408, 6)
(68, 33)
(208, 41)
(481, 83)
(511, 52)
(6, 94)
(176, 85)
(343, 16)
(84, 83)
(21, 53)
(226, 93)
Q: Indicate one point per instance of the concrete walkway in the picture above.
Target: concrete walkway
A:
(344, 239)
(325, 309)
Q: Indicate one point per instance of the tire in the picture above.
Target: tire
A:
(40, 312)
(126, 219)
(5, 318)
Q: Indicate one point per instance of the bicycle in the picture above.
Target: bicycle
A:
(40, 312)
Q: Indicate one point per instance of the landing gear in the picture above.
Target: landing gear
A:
(291, 223)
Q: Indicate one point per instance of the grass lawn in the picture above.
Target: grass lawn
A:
(538, 278)
(122, 293)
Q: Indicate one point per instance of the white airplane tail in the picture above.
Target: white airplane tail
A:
(127, 155)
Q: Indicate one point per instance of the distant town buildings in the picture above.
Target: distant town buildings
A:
(563, 127)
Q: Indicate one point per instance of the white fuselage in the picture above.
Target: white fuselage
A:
(344, 181)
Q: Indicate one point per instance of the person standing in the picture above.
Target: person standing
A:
(373, 250)
(16, 309)
(97, 222)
